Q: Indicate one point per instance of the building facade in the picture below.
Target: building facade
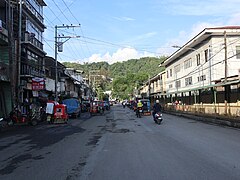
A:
(205, 70)
(210, 58)
(5, 59)
(30, 27)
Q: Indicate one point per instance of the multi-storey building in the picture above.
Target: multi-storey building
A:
(50, 77)
(154, 88)
(5, 60)
(29, 28)
(210, 59)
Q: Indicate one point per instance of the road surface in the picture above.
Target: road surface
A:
(120, 146)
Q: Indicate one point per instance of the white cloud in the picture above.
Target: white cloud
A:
(122, 54)
(124, 18)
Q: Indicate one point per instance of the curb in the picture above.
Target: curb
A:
(224, 121)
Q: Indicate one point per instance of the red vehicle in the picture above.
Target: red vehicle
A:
(60, 114)
(32, 117)
(97, 107)
(57, 113)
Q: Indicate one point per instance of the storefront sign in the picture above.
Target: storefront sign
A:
(38, 84)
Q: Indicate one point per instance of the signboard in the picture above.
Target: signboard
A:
(38, 84)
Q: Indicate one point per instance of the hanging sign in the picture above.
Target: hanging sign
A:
(38, 84)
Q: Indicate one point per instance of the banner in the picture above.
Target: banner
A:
(38, 84)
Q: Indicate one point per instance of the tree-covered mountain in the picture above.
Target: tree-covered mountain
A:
(126, 75)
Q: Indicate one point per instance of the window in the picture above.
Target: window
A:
(178, 83)
(198, 57)
(170, 72)
(188, 81)
(238, 52)
(177, 68)
(31, 28)
(202, 78)
(187, 63)
(167, 75)
(170, 86)
(160, 77)
(206, 55)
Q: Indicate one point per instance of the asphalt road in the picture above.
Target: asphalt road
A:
(120, 146)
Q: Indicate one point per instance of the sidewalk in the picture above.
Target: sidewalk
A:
(207, 118)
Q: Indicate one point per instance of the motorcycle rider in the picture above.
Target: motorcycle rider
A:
(139, 105)
(156, 108)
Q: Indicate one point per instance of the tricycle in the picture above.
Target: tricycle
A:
(56, 113)
(97, 107)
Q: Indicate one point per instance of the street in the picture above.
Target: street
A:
(120, 146)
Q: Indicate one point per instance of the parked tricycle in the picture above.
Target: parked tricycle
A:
(97, 107)
(56, 113)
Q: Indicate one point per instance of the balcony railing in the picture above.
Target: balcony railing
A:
(27, 70)
(34, 11)
(3, 32)
(29, 38)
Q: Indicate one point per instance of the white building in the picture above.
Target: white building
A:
(200, 63)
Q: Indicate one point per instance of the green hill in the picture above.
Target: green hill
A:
(126, 75)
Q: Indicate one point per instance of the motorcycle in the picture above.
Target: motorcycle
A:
(139, 112)
(158, 118)
(32, 117)
(5, 123)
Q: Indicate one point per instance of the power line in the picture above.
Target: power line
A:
(79, 23)
(193, 72)
(61, 11)
(73, 49)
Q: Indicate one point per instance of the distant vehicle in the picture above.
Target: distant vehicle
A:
(146, 106)
(85, 106)
(111, 103)
(106, 105)
(97, 107)
(73, 107)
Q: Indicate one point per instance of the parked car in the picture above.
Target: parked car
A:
(73, 107)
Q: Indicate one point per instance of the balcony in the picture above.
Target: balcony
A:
(30, 71)
(29, 39)
(3, 33)
(30, 8)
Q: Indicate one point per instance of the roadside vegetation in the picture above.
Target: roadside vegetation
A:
(121, 77)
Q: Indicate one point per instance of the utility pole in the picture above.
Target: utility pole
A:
(57, 45)
(10, 52)
(225, 47)
(149, 87)
(19, 53)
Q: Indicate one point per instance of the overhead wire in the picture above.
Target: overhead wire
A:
(80, 27)
(72, 47)
(194, 71)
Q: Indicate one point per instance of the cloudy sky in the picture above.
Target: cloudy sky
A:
(113, 30)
